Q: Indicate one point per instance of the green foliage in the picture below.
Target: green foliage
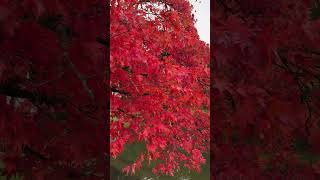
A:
(302, 148)
(4, 177)
(133, 150)
(315, 13)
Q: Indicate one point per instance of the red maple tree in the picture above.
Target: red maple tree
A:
(52, 91)
(265, 90)
(159, 84)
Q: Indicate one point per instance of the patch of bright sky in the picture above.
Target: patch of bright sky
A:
(201, 10)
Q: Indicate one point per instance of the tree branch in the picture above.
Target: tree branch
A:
(13, 90)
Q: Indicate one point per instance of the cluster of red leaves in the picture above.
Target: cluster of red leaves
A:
(159, 83)
(52, 96)
(266, 90)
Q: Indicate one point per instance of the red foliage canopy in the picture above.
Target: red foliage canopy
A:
(52, 95)
(159, 83)
(266, 90)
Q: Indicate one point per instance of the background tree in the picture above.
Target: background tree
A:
(52, 90)
(266, 87)
(160, 85)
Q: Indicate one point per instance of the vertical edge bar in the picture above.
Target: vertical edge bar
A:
(212, 5)
(108, 87)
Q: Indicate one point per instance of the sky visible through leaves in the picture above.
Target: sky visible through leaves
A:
(202, 14)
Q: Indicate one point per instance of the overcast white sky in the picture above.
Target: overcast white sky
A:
(202, 14)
